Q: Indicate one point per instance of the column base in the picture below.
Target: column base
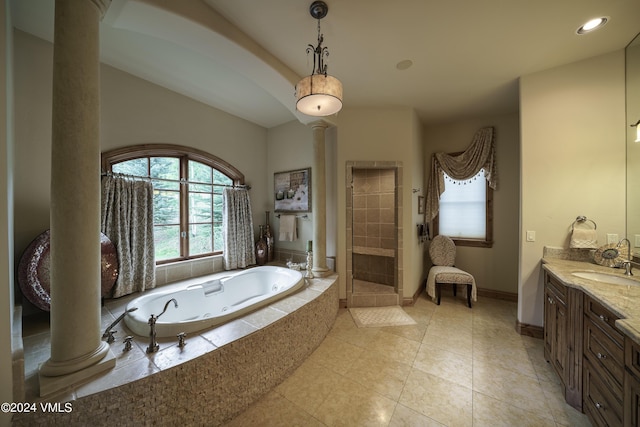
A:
(321, 272)
(52, 384)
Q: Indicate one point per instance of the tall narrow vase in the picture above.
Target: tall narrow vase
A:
(268, 237)
(261, 249)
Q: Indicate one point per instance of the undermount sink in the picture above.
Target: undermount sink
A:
(606, 278)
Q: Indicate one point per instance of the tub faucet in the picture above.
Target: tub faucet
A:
(153, 344)
(627, 263)
(108, 333)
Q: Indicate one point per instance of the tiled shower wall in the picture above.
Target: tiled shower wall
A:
(374, 230)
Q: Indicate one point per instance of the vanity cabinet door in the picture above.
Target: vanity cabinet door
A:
(631, 384)
(603, 374)
(555, 327)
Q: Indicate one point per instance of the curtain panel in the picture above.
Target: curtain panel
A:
(127, 219)
(237, 228)
(480, 154)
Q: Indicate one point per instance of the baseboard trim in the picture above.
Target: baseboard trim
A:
(529, 330)
(490, 293)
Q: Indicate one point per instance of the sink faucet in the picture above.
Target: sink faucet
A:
(627, 263)
(108, 333)
(153, 344)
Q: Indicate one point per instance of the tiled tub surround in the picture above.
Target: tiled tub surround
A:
(217, 375)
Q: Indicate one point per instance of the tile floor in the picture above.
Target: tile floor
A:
(456, 367)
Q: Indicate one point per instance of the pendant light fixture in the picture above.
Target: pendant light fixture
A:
(319, 94)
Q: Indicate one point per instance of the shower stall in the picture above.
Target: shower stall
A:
(373, 208)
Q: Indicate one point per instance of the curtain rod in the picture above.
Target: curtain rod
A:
(179, 181)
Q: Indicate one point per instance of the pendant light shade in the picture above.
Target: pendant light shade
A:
(319, 94)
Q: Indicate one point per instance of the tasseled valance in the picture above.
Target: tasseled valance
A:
(480, 154)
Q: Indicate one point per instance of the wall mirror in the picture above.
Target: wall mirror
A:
(632, 87)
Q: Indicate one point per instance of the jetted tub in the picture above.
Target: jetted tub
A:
(211, 302)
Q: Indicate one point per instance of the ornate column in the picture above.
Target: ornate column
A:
(319, 201)
(76, 349)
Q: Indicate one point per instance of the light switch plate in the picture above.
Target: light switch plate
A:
(612, 238)
(531, 236)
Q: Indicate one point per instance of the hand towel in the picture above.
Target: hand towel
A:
(584, 238)
(288, 228)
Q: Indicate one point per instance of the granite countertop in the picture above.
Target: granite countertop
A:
(622, 300)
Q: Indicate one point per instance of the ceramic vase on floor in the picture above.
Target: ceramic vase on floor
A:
(268, 237)
(261, 249)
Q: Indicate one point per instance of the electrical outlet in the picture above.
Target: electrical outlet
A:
(637, 245)
(612, 238)
(531, 236)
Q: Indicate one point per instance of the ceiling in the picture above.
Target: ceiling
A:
(245, 56)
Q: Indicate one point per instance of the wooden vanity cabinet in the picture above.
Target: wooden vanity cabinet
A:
(631, 384)
(563, 336)
(603, 368)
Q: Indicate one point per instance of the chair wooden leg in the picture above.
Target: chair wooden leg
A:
(455, 289)
(438, 293)
(469, 295)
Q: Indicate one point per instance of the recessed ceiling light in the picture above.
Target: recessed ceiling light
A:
(592, 25)
(403, 65)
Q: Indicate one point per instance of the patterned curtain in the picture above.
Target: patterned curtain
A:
(237, 226)
(127, 219)
(480, 154)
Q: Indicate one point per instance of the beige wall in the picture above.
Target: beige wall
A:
(6, 212)
(494, 268)
(572, 162)
(383, 134)
(133, 111)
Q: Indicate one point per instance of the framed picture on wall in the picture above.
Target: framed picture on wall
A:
(292, 190)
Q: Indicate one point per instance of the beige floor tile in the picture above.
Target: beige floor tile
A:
(509, 386)
(442, 400)
(380, 373)
(405, 417)
(355, 405)
(455, 342)
(563, 413)
(336, 355)
(361, 337)
(273, 410)
(309, 386)
(397, 348)
(491, 412)
(445, 364)
(412, 332)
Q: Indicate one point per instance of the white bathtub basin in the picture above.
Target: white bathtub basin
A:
(606, 278)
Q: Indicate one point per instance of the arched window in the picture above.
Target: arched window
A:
(188, 187)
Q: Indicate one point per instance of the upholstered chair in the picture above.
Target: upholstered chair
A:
(443, 256)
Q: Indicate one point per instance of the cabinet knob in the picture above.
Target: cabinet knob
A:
(599, 406)
(604, 318)
(601, 356)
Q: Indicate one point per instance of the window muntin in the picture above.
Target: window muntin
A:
(187, 196)
(465, 212)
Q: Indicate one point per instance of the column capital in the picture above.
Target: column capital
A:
(102, 6)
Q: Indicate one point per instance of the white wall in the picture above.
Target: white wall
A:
(6, 210)
(572, 162)
(493, 268)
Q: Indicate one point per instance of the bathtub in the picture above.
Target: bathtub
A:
(211, 301)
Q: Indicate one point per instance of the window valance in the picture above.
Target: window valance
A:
(480, 154)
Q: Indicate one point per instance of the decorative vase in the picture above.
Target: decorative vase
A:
(261, 249)
(268, 238)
